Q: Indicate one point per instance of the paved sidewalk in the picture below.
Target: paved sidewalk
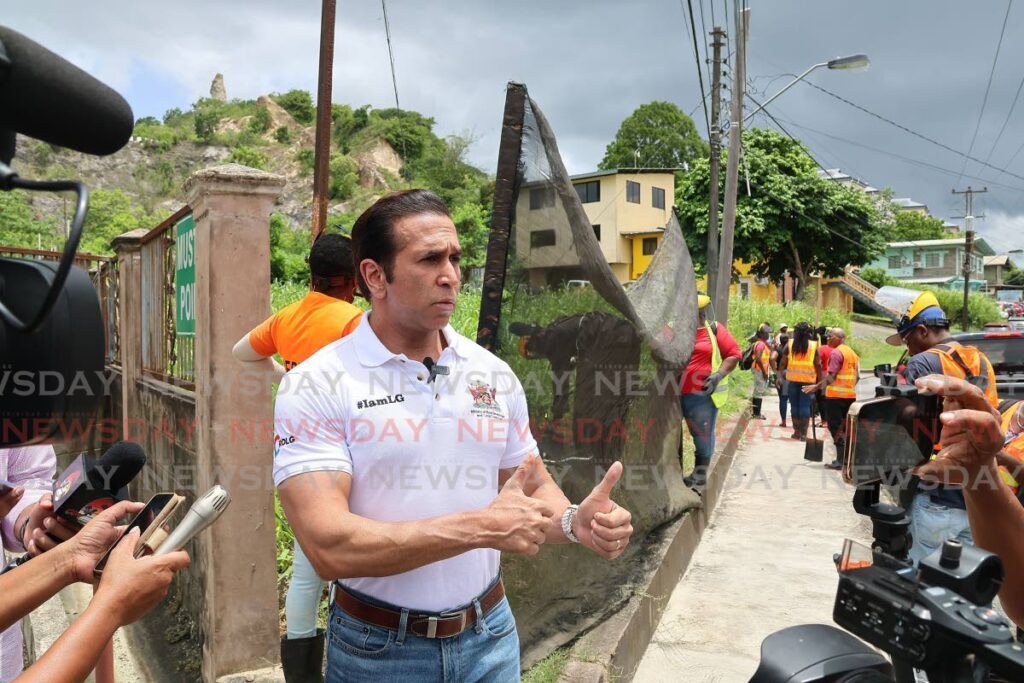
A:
(764, 563)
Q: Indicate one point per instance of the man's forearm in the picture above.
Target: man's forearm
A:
(76, 652)
(997, 524)
(366, 547)
(33, 583)
(728, 365)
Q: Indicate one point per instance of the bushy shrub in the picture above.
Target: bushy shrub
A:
(247, 156)
(306, 158)
(344, 179)
(260, 121)
(299, 104)
(981, 307)
(283, 135)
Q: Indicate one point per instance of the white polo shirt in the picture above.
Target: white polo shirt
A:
(415, 448)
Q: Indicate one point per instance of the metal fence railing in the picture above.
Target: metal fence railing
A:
(166, 355)
(102, 271)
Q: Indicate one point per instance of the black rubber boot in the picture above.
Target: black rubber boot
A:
(303, 659)
(756, 405)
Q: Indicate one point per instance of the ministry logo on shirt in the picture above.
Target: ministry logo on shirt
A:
(485, 402)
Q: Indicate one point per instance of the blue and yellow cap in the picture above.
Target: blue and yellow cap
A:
(923, 310)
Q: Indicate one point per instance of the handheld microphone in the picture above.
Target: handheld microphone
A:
(202, 514)
(48, 98)
(86, 488)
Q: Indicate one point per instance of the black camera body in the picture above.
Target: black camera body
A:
(934, 622)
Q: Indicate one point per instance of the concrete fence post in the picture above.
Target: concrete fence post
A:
(231, 207)
(129, 310)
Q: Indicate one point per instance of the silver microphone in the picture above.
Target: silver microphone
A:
(202, 514)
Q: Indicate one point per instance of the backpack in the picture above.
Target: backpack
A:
(747, 359)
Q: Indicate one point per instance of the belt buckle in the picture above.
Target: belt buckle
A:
(445, 616)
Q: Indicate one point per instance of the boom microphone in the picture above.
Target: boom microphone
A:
(202, 514)
(86, 488)
(48, 98)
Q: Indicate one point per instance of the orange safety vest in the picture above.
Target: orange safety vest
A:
(763, 354)
(968, 363)
(1015, 448)
(845, 385)
(801, 368)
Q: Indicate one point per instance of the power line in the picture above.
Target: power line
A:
(1007, 120)
(703, 43)
(912, 132)
(988, 87)
(696, 57)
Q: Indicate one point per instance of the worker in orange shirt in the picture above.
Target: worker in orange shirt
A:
(840, 382)
(296, 332)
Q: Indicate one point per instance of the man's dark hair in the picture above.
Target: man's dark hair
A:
(330, 257)
(373, 232)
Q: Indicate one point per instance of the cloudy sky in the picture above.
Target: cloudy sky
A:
(589, 64)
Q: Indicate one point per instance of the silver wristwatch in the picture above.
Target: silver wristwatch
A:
(567, 523)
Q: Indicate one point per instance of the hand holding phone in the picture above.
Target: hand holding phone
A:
(148, 521)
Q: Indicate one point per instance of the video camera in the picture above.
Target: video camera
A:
(937, 617)
(44, 305)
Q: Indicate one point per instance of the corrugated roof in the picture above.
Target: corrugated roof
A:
(613, 171)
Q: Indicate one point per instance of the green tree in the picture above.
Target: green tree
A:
(21, 225)
(878, 277)
(298, 103)
(112, 213)
(248, 156)
(344, 172)
(288, 251)
(793, 220)
(260, 121)
(409, 132)
(655, 135)
(283, 135)
(1015, 276)
(205, 124)
(471, 223)
(912, 226)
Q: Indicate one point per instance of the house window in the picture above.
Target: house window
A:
(658, 197)
(895, 262)
(632, 192)
(933, 260)
(649, 245)
(744, 290)
(597, 231)
(542, 198)
(542, 238)
(589, 192)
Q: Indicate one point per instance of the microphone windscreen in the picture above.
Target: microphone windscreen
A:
(49, 98)
(118, 466)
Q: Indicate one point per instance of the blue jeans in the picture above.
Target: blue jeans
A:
(799, 402)
(358, 651)
(700, 413)
(783, 392)
(932, 524)
(302, 603)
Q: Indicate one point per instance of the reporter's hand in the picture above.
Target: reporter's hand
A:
(971, 436)
(44, 530)
(131, 587)
(87, 546)
(9, 499)
(520, 523)
(601, 524)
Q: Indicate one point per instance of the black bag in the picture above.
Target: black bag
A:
(814, 448)
(747, 359)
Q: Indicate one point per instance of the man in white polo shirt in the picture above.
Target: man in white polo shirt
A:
(405, 464)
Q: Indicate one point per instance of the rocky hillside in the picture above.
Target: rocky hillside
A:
(373, 151)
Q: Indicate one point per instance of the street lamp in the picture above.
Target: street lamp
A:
(851, 63)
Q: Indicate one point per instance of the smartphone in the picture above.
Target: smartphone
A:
(150, 518)
(887, 436)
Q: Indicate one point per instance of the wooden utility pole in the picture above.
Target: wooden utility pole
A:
(968, 247)
(721, 297)
(322, 152)
(715, 137)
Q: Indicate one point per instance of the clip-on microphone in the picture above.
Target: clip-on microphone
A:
(434, 369)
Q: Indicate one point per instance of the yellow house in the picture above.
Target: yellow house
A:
(747, 285)
(627, 209)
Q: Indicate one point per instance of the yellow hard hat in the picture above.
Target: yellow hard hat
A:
(922, 309)
(703, 300)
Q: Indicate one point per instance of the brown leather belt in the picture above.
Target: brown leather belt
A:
(441, 625)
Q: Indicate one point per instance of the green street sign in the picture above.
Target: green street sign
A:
(185, 277)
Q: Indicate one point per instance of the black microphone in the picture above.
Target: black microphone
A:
(86, 488)
(434, 369)
(48, 98)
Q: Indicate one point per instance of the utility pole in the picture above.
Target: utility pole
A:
(968, 247)
(715, 136)
(732, 168)
(322, 145)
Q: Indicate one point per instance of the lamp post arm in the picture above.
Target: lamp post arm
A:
(787, 87)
